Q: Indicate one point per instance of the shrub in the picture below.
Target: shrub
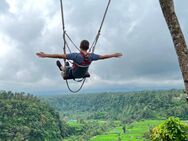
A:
(171, 130)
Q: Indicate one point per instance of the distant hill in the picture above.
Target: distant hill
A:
(123, 106)
(24, 117)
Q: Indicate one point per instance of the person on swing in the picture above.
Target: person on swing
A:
(81, 61)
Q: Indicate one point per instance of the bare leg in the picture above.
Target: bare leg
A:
(63, 71)
(63, 68)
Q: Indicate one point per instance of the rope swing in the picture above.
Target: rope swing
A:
(66, 46)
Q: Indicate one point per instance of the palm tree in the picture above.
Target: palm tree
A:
(168, 10)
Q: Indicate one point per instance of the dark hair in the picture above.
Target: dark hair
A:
(84, 45)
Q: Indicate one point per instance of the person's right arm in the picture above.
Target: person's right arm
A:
(107, 56)
(45, 55)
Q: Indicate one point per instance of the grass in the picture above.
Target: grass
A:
(111, 137)
(74, 123)
(134, 132)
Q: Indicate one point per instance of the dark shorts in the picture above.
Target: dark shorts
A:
(69, 74)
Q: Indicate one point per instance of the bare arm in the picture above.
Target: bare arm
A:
(45, 55)
(114, 55)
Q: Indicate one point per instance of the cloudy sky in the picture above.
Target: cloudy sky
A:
(134, 27)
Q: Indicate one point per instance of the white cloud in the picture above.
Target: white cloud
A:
(135, 28)
(4, 48)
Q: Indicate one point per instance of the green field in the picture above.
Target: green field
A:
(134, 132)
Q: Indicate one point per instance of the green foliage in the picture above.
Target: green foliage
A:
(127, 107)
(25, 117)
(171, 130)
(87, 129)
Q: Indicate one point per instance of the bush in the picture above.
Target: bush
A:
(171, 130)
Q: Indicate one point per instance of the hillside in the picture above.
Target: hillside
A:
(24, 117)
(123, 106)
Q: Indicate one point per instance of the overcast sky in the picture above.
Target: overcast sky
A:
(134, 27)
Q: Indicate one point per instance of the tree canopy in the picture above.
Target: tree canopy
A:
(25, 117)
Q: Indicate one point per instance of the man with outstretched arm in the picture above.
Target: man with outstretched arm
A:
(81, 61)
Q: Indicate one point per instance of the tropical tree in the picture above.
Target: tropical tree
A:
(168, 10)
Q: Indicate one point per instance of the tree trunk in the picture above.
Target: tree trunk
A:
(167, 7)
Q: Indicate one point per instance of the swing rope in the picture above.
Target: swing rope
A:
(99, 31)
(63, 27)
(75, 91)
(93, 46)
(66, 35)
(67, 46)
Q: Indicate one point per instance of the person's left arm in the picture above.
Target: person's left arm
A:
(107, 56)
(45, 55)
